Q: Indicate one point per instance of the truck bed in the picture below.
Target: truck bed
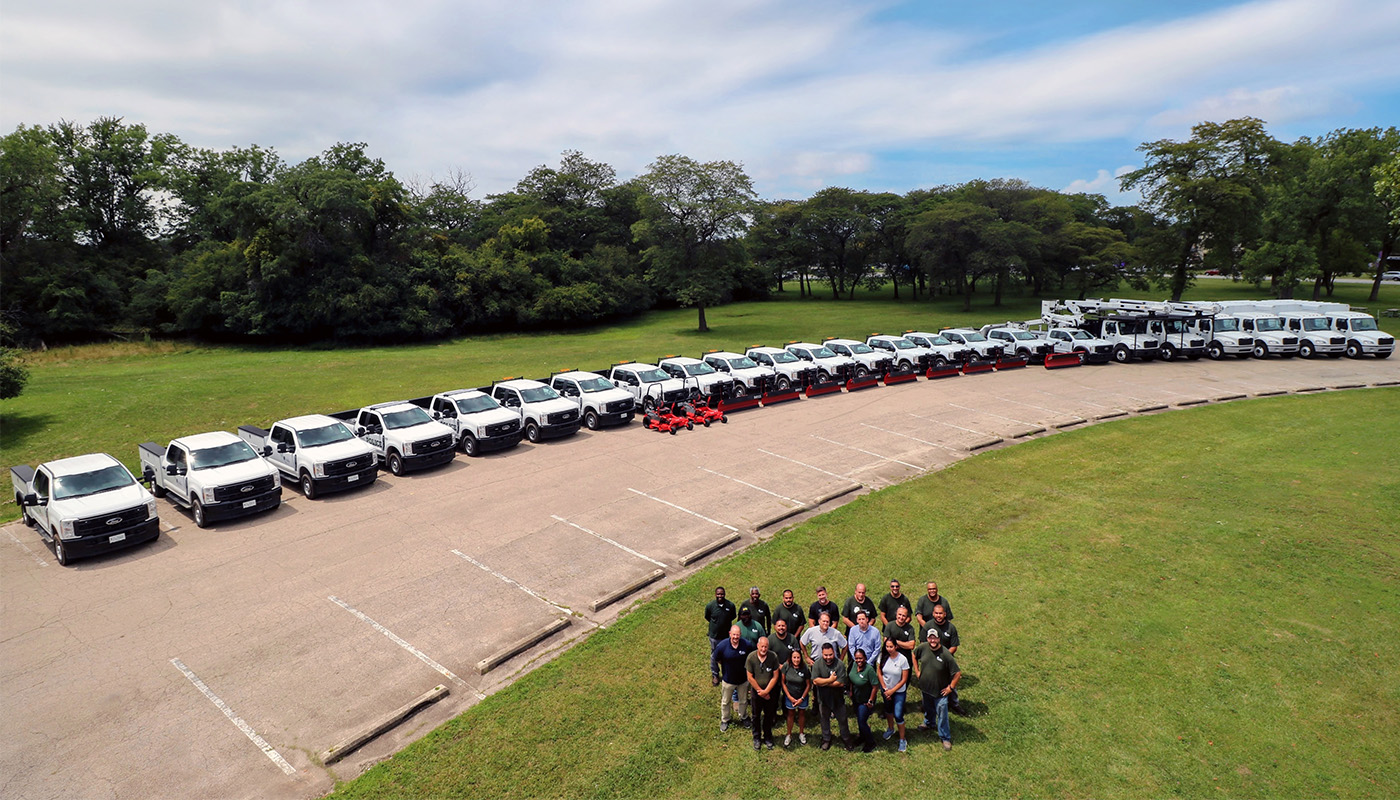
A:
(21, 476)
(151, 449)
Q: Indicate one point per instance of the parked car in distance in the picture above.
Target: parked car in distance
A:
(1393, 275)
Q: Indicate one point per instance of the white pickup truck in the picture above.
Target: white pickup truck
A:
(945, 351)
(974, 341)
(749, 376)
(317, 452)
(869, 361)
(829, 365)
(789, 371)
(905, 353)
(215, 475)
(602, 404)
(706, 379)
(405, 437)
(649, 385)
(542, 411)
(85, 505)
(480, 424)
(1018, 342)
(1091, 349)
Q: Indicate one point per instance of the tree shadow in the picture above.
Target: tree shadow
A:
(16, 429)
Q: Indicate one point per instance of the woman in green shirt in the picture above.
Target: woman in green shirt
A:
(797, 691)
(865, 687)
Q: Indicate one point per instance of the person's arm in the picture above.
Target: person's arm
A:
(915, 662)
(752, 682)
(787, 693)
(923, 621)
(768, 690)
(709, 611)
(903, 681)
(953, 684)
(953, 639)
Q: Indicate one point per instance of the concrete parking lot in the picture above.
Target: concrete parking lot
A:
(224, 662)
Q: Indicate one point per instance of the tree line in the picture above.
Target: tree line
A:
(106, 227)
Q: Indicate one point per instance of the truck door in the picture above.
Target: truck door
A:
(41, 511)
(179, 483)
(448, 411)
(569, 390)
(284, 455)
(508, 398)
(374, 430)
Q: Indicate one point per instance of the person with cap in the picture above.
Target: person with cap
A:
(823, 606)
(789, 610)
(937, 675)
(893, 601)
(731, 654)
(894, 682)
(902, 632)
(762, 668)
(830, 679)
(750, 630)
(797, 695)
(823, 634)
(863, 636)
(948, 638)
(865, 690)
(720, 613)
(758, 609)
(856, 603)
(923, 612)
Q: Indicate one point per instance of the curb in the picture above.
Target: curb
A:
(696, 555)
(617, 594)
(1068, 423)
(494, 660)
(984, 443)
(1027, 432)
(383, 724)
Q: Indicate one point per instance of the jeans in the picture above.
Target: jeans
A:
(714, 665)
(894, 704)
(863, 714)
(764, 715)
(833, 704)
(727, 703)
(936, 708)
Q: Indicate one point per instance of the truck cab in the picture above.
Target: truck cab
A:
(1091, 349)
(648, 385)
(543, 413)
(945, 351)
(85, 505)
(1224, 337)
(1178, 338)
(974, 341)
(904, 353)
(1315, 334)
(789, 371)
(830, 366)
(601, 403)
(749, 376)
(1364, 337)
(318, 452)
(217, 476)
(1270, 335)
(480, 424)
(1129, 335)
(405, 437)
(707, 379)
(869, 361)
(1018, 342)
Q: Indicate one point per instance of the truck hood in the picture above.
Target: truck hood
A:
(749, 373)
(101, 503)
(552, 406)
(493, 416)
(417, 433)
(609, 396)
(338, 450)
(234, 473)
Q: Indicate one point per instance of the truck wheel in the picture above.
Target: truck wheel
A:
(784, 383)
(1306, 350)
(157, 490)
(939, 362)
(308, 486)
(823, 376)
(1215, 351)
(1167, 352)
(29, 521)
(60, 553)
(1121, 354)
(1260, 350)
(469, 445)
(1354, 349)
(590, 420)
(861, 372)
(395, 462)
(197, 508)
(532, 432)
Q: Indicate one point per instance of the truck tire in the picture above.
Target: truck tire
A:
(784, 383)
(590, 420)
(532, 432)
(1260, 350)
(1167, 353)
(197, 509)
(469, 445)
(1215, 351)
(29, 522)
(1306, 349)
(308, 486)
(861, 373)
(1122, 355)
(1354, 349)
(157, 490)
(60, 553)
(395, 463)
(939, 362)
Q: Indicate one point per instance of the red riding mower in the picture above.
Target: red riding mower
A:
(705, 413)
(664, 418)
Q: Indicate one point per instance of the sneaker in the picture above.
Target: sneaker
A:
(903, 745)
(746, 723)
(802, 737)
(869, 746)
(889, 733)
(826, 744)
(723, 726)
(787, 740)
(768, 743)
(757, 745)
(947, 745)
(957, 708)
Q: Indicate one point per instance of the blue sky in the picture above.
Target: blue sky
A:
(885, 96)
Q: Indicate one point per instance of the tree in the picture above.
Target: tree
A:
(1387, 191)
(961, 242)
(692, 216)
(30, 188)
(838, 228)
(13, 374)
(1211, 191)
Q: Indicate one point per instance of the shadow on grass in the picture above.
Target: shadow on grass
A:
(16, 429)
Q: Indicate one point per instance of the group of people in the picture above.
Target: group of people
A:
(768, 661)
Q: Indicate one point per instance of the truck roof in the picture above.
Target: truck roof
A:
(456, 392)
(804, 344)
(202, 440)
(725, 354)
(578, 374)
(520, 383)
(679, 360)
(80, 464)
(308, 421)
(835, 340)
(390, 404)
(766, 350)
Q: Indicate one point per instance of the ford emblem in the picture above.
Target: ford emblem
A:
(247, 488)
(349, 463)
(114, 521)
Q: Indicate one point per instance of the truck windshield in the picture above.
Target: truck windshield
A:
(742, 363)
(1024, 335)
(652, 376)
(591, 385)
(1314, 324)
(1080, 334)
(862, 349)
(406, 418)
(222, 456)
(973, 336)
(784, 357)
(327, 435)
(1366, 324)
(539, 394)
(1268, 324)
(699, 369)
(903, 344)
(86, 483)
(471, 405)
(823, 352)
(1226, 324)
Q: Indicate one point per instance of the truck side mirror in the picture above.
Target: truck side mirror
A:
(30, 500)
(147, 474)
(267, 450)
(286, 447)
(171, 469)
(437, 415)
(361, 430)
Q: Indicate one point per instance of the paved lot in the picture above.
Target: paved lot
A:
(222, 662)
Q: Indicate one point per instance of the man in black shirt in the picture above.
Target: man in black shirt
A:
(823, 606)
(758, 610)
(792, 612)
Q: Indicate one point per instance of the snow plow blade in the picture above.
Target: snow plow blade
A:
(1010, 363)
(819, 389)
(738, 403)
(907, 376)
(1058, 360)
(855, 384)
(773, 398)
(973, 367)
(946, 371)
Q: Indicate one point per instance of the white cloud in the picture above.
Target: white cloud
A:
(1106, 184)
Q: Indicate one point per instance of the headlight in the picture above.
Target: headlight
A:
(206, 494)
(408, 448)
(66, 530)
(151, 509)
(318, 470)
(276, 479)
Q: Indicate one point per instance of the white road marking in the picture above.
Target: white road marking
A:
(867, 452)
(618, 545)
(915, 438)
(686, 510)
(751, 486)
(26, 549)
(418, 654)
(802, 464)
(522, 588)
(949, 424)
(1081, 400)
(990, 414)
(247, 729)
(1032, 405)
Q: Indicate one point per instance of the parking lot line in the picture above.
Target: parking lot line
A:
(418, 654)
(751, 486)
(512, 582)
(948, 424)
(247, 729)
(990, 414)
(686, 510)
(915, 438)
(618, 545)
(26, 549)
(867, 452)
(802, 464)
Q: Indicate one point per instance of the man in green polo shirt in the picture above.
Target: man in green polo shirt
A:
(937, 675)
(720, 613)
(762, 668)
(829, 678)
(902, 633)
(789, 610)
(780, 641)
(896, 599)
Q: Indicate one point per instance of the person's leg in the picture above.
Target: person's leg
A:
(899, 713)
(714, 665)
(945, 731)
(930, 703)
(741, 705)
(726, 702)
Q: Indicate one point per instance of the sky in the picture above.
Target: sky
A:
(884, 96)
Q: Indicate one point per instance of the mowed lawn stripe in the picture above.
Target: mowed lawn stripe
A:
(1187, 604)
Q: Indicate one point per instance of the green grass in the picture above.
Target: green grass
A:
(110, 398)
(1201, 603)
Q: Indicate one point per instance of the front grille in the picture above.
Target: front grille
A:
(1338, 340)
(1385, 340)
(1247, 342)
(1290, 340)
(345, 466)
(618, 406)
(431, 445)
(502, 428)
(1150, 343)
(110, 522)
(1198, 342)
(561, 417)
(675, 395)
(246, 489)
(1102, 348)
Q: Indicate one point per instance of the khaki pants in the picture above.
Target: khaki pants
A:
(727, 704)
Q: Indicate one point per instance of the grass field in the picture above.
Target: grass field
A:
(110, 398)
(1194, 604)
